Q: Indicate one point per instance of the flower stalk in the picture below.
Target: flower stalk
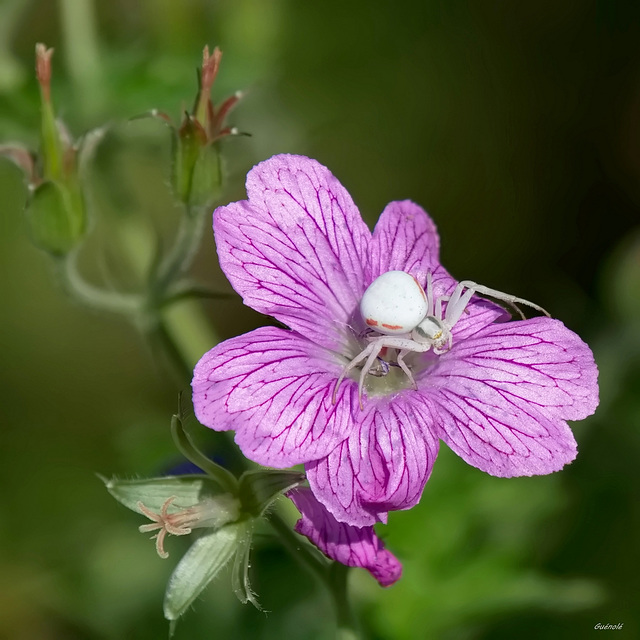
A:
(332, 575)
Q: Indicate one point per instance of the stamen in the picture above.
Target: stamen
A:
(177, 524)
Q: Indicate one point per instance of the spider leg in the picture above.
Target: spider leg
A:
(429, 294)
(375, 350)
(438, 309)
(457, 304)
(357, 360)
(505, 297)
(516, 307)
(455, 296)
(403, 365)
(403, 344)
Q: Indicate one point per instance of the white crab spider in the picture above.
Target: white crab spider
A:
(410, 320)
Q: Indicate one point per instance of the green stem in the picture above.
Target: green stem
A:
(176, 263)
(77, 18)
(332, 575)
(300, 550)
(347, 622)
(163, 348)
(95, 297)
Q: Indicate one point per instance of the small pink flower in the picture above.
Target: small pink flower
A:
(299, 251)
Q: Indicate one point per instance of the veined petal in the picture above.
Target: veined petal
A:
(404, 239)
(297, 249)
(275, 389)
(351, 546)
(382, 466)
(504, 395)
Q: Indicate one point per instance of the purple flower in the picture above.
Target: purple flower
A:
(344, 543)
(299, 251)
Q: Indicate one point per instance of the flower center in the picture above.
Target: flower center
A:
(386, 377)
(393, 381)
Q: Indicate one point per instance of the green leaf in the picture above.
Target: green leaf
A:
(154, 492)
(259, 489)
(56, 222)
(199, 566)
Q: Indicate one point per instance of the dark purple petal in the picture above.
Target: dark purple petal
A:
(297, 249)
(352, 546)
(382, 466)
(504, 395)
(404, 239)
(274, 388)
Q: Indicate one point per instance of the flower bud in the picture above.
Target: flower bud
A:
(55, 209)
(197, 174)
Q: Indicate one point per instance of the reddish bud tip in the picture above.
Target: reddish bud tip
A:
(43, 70)
(210, 66)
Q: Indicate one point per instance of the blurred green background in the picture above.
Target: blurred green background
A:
(516, 125)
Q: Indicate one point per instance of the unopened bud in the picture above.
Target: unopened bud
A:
(43, 70)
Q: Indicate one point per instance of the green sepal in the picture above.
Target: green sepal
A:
(22, 158)
(52, 148)
(206, 557)
(208, 176)
(259, 489)
(190, 139)
(186, 446)
(55, 217)
(240, 573)
(153, 492)
(154, 113)
(86, 152)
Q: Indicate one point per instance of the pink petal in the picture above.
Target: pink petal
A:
(351, 546)
(297, 249)
(382, 466)
(275, 389)
(404, 239)
(504, 395)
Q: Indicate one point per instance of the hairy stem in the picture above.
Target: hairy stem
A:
(178, 260)
(333, 576)
(83, 60)
(95, 297)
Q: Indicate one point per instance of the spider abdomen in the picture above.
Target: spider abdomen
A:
(394, 303)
